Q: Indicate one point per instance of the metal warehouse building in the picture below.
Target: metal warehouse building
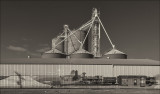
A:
(92, 67)
(77, 50)
(31, 68)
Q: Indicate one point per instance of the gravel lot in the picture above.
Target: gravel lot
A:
(79, 91)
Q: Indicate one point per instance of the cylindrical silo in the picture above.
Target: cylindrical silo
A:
(57, 51)
(60, 46)
(83, 34)
(115, 54)
(81, 53)
(53, 53)
(73, 43)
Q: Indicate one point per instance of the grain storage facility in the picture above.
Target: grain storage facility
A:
(78, 50)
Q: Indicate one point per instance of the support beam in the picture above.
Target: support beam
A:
(113, 46)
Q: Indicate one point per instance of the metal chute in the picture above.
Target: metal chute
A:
(20, 79)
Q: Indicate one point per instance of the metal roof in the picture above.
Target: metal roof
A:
(81, 61)
(114, 51)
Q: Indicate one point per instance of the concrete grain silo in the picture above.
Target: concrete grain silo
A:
(115, 54)
(59, 47)
(73, 41)
(57, 51)
(81, 53)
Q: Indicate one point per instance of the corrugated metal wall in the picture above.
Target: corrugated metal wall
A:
(91, 70)
(136, 70)
(29, 70)
(45, 69)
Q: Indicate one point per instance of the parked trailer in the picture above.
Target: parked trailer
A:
(92, 79)
(109, 80)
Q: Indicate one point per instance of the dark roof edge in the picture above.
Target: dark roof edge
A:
(120, 62)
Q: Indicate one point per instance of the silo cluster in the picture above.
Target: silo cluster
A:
(68, 46)
(82, 43)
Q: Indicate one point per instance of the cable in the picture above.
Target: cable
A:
(87, 32)
(106, 33)
(72, 43)
(86, 24)
(75, 36)
(71, 34)
(59, 35)
(66, 38)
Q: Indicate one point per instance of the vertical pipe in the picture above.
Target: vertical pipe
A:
(95, 35)
(66, 39)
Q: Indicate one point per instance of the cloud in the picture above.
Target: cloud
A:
(16, 48)
(44, 49)
(25, 51)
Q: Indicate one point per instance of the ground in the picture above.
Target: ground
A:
(79, 91)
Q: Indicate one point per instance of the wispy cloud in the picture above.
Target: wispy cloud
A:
(16, 48)
(23, 50)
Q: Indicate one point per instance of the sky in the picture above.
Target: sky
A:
(27, 27)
